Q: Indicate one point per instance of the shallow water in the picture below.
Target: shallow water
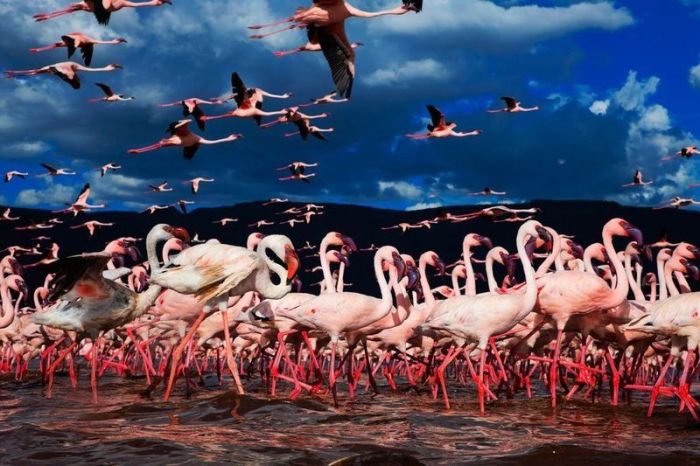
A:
(215, 426)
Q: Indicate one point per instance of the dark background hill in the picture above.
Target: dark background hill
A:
(581, 218)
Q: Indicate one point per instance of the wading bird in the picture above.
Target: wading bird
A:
(67, 71)
(78, 40)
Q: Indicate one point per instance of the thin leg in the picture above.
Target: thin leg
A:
(177, 354)
(230, 360)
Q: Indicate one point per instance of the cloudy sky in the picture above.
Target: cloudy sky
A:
(618, 84)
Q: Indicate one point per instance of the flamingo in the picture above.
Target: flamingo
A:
(225, 221)
(180, 135)
(182, 204)
(302, 122)
(677, 202)
(110, 96)
(77, 40)
(308, 215)
(160, 188)
(291, 222)
(34, 226)
(441, 128)
(403, 226)
(92, 225)
(51, 171)
(312, 45)
(275, 200)
(305, 177)
(513, 106)
(102, 9)
(152, 209)
(81, 203)
(261, 223)
(192, 106)
(321, 312)
(67, 71)
(6, 217)
(14, 174)
(637, 180)
(325, 24)
(104, 169)
(488, 192)
(213, 272)
(482, 316)
(90, 303)
(685, 153)
(194, 182)
(326, 99)
(248, 102)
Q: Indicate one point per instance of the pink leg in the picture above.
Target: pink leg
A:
(659, 382)
(272, 33)
(93, 368)
(554, 368)
(230, 360)
(141, 150)
(177, 354)
(331, 374)
(275, 23)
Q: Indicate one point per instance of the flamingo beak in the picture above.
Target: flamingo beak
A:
(133, 253)
(439, 265)
(576, 250)
(693, 271)
(413, 277)
(399, 264)
(544, 234)
(633, 232)
(180, 233)
(344, 259)
(297, 283)
(292, 261)
(349, 243)
(486, 242)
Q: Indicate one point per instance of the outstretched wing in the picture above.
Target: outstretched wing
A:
(101, 13)
(70, 44)
(415, 5)
(339, 55)
(189, 152)
(510, 102)
(84, 194)
(74, 81)
(238, 88)
(226, 278)
(106, 89)
(79, 276)
(48, 167)
(86, 51)
(437, 117)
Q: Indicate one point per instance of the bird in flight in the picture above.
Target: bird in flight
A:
(104, 169)
(92, 225)
(513, 106)
(224, 221)
(182, 204)
(101, 9)
(14, 173)
(160, 188)
(67, 71)
(152, 209)
(78, 40)
(81, 203)
(678, 202)
(194, 183)
(488, 192)
(110, 96)
(275, 200)
(637, 180)
(439, 127)
(192, 106)
(51, 171)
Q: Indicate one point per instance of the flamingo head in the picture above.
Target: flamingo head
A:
(621, 227)
(121, 40)
(649, 279)
(413, 275)
(291, 260)
(178, 232)
(115, 66)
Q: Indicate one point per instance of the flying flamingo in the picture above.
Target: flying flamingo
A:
(182, 204)
(78, 40)
(289, 222)
(224, 221)
(637, 180)
(326, 99)
(325, 24)
(14, 173)
(102, 9)
(92, 225)
(191, 106)
(403, 226)
(67, 71)
(152, 209)
(55, 171)
(34, 226)
(275, 200)
(306, 178)
(104, 169)
(194, 182)
(248, 102)
(678, 202)
(513, 106)
(180, 135)
(81, 203)
(6, 216)
(488, 192)
(307, 215)
(441, 128)
(312, 45)
(160, 188)
(261, 223)
(110, 96)
(685, 153)
(302, 122)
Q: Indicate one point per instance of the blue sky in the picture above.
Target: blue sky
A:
(615, 80)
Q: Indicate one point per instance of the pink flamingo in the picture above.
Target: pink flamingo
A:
(77, 40)
(110, 96)
(192, 106)
(441, 128)
(67, 71)
(637, 180)
(513, 106)
(180, 135)
(102, 9)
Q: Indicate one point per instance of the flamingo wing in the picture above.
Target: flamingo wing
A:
(239, 89)
(318, 135)
(510, 102)
(437, 117)
(339, 55)
(84, 194)
(86, 51)
(74, 81)
(79, 276)
(101, 13)
(70, 45)
(198, 114)
(189, 152)
(225, 278)
(49, 167)
(106, 89)
(637, 177)
(416, 5)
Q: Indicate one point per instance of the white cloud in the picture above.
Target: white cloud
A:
(655, 118)
(400, 188)
(404, 73)
(116, 186)
(54, 194)
(424, 205)
(517, 25)
(633, 95)
(26, 148)
(694, 76)
(600, 107)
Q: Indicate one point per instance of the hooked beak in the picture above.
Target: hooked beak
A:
(179, 233)
(413, 277)
(344, 259)
(544, 234)
(485, 242)
(634, 233)
(510, 266)
(297, 284)
(133, 253)
(292, 261)
(348, 243)
(576, 250)
(439, 265)
(693, 271)
(399, 264)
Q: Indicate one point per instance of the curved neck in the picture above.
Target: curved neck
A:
(530, 297)
(668, 275)
(622, 284)
(455, 282)
(471, 280)
(489, 273)
(326, 268)
(8, 311)
(556, 249)
(381, 280)
(663, 289)
(424, 284)
(340, 285)
(652, 292)
(636, 290)
(682, 282)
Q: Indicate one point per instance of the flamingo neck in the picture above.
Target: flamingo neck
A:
(455, 282)
(619, 294)
(471, 280)
(668, 275)
(663, 288)
(682, 282)
(356, 12)
(489, 273)
(652, 293)
(424, 284)
(530, 297)
(556, 249)
(326, 268)
(340, 284)
(636, 290)
(382, 282)
(8, 311)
